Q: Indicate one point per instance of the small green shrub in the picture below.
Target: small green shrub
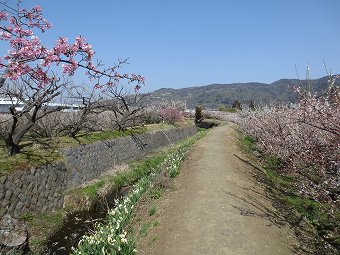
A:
(144, 231)
(155, 238)
(92, 190)
(155, 193)
(249, 140)
(152, 210)
(273, 163)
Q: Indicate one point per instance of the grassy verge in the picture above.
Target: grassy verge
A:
(114, 237)
(42, 225)
(317, 229)
(40, 151)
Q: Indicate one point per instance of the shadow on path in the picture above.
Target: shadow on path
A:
(279, 215)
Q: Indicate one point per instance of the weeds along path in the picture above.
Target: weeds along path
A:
(217, 207)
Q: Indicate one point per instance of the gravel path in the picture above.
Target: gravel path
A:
(217, 207)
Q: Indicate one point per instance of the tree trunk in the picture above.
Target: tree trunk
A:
(2, 81)
(73, 132)
(12, 147)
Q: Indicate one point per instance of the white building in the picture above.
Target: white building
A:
(6, 103)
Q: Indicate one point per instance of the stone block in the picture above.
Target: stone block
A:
(40, 187)
(11, 207)
(34, 199)
(13, 235)
(3, 211)
(39, 205)
(35, 189)
(8, 194)
(19, 207)
(44, 208)
(30, 186)
(5, 203)
(22, 197)
(2, 193)
(3, 180)
(16, 182)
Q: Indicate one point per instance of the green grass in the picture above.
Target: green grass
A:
(40, 226)
(249, 143)
(152, 210)
(271, 165)
(144, 231)
(29, 157)
(92, 190)
(155, 223)
(314, 211)
(327, 225)
(155, 193)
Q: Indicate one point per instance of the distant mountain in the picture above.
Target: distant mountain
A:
(214, 95)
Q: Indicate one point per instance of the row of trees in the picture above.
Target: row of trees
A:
(306, 139)
(78, 110)
(35, 75)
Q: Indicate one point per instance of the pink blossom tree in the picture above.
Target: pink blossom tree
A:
(36, 65)
(306, 138)
(171, 115)
(27, 56)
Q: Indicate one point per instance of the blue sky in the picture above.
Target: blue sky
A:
(182, 43)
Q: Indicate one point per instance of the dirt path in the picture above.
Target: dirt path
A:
(217, 207)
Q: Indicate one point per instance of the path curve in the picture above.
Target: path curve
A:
(217, 207)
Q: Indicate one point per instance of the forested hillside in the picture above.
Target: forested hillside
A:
(215, 95)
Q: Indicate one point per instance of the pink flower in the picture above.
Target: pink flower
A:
(70, 68)
(5, 36)
(26, 54)
(90, 66)
(37, 8)
(3, 15)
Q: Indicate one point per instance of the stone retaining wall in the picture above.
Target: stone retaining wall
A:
(34, 190)
(43, 189)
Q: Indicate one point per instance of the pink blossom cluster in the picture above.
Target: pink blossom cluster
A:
(171, 115)
(27, 55)
(306, 138)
